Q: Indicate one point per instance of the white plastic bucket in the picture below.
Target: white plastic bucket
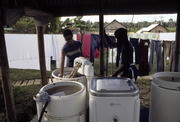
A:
(55, 78)
(67, 102)
(165, 97)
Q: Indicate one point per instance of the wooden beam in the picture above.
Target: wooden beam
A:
(107, 55)
(101, 32)
(42, 60)
(177, 47)
(6, 82)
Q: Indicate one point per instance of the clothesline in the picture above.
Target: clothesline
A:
(154, 36)
(23, 48)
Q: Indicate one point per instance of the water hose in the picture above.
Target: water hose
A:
(42, 112)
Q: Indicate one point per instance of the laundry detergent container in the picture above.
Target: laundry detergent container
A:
(114, 100)
(165, 97)
(67, 70)
(67, 102)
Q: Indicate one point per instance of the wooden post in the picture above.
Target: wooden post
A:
(107, 55)
(112, 70)
(101, 32)
(177, 47)
(42, 60)
(6, 82)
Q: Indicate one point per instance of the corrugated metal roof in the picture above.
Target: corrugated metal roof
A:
(92, 7)
(147, 29)
(150, 27)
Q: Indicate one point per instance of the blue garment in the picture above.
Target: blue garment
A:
(72, 51)
(135, 44)
(156, 46)
(95, 44)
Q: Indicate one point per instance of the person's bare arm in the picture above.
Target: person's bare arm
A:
(61, 69)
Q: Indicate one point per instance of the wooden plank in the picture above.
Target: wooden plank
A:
(177, 47)
(38, 81)
(6, 82)
(31, 82)
(101, 32)
(42, 60)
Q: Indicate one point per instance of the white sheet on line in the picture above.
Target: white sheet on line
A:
(22, 51)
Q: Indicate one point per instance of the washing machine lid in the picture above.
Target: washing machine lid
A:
(113, 87)
(167, 80)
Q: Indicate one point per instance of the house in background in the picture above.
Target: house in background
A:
(154, 28)
(113, 26)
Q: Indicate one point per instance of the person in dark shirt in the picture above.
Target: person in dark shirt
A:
(124, 48)
(71, 49)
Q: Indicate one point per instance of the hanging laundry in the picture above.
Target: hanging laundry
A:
(22, 51)
(167, 51)
(172, 55)
(86, 41)
(143, 63)
(135, 44)
(58, 42)
(95, 45)
(156, 46)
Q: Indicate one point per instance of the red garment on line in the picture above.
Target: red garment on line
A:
(87, 45)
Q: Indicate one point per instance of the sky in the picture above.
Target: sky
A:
(129, 18)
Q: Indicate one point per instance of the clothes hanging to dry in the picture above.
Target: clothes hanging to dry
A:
(156, 46)
(135, 44)
(143, 64)
(168, 52)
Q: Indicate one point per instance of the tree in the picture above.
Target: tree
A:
(24, 25)
(56, 25)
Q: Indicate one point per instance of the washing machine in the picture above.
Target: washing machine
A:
(61, 102)
(114, 100)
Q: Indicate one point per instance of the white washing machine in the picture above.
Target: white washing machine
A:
(66, 102)
(165, 97)
(114, 100)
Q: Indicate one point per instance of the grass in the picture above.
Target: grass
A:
(24, 103)
(27, 74)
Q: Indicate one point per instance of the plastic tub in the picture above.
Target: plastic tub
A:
(165, 97)
(55, 78)
(67, 102)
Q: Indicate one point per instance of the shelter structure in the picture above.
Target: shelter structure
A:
(113, 26)
(43, 10)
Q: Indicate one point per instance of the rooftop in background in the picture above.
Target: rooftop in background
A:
(155, 28)
(113, 26)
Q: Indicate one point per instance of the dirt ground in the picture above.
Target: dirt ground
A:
(144, 85)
